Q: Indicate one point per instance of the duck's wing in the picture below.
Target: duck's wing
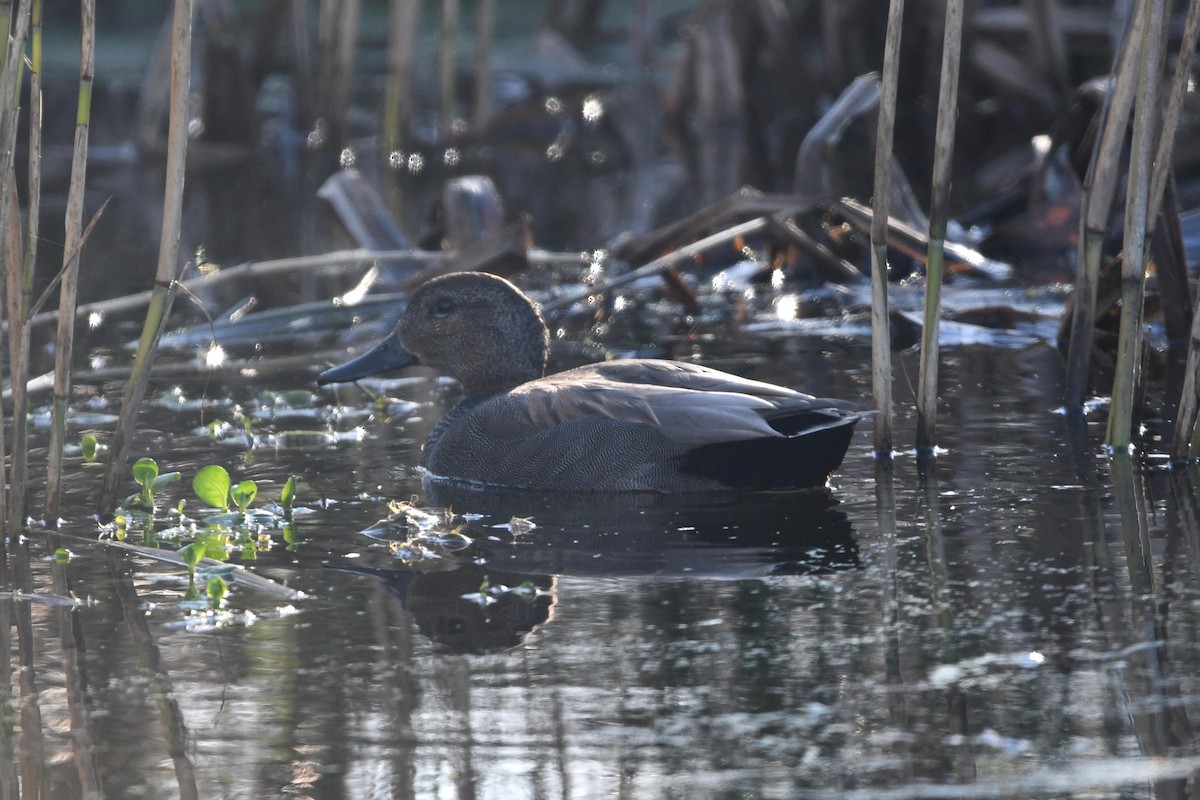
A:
(691, 406)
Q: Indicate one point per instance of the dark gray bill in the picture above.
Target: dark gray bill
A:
(388, 354)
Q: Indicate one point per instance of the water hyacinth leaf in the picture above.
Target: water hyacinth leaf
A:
(243, 494)
(216, 588)
(224, 571)
(89, 446)
(191, 554)
(165, 479)
(289, 493)
(211, 485)
(145, 470)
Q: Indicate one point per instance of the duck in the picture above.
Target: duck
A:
(637, 424)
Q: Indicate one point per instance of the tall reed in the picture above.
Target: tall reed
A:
(881, 338)
(448, 66)
(485, 32)
(1100, 187)
(19, 298)
(168, 255)
(1133, 265)
(403, 21)
(939, 213)
(72, 252)
(10, 239)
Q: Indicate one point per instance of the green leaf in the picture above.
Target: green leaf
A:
(89, 447)
(225, 571)
(211, 485)
(164, 479)
(191, 554)
(289, 493)
(62, 555)
(243, 494)
(216, 588)
(145, 470)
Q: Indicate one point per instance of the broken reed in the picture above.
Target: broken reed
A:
(168, 255)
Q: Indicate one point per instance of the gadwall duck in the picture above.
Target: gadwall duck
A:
(626, 425)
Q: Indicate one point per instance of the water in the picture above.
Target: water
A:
(1021, 624)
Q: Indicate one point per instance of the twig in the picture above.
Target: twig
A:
(260, 269)
(657, 265)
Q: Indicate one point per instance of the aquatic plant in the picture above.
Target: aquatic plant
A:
(145, 474)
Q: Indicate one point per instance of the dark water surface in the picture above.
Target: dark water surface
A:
(1023, 624)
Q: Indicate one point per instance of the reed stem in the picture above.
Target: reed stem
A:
(168, 255)
(10, 237)
(1133, 265)
(72, 247)
(19, 331)
(881, 338)
(939, 212)
(1100, 188)
(447, 66)
(403, 22)
(485, 31)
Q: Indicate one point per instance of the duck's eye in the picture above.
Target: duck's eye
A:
(443, 306)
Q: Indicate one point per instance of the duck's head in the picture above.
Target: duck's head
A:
(475, 327)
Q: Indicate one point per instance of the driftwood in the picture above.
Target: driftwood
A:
(915, 244)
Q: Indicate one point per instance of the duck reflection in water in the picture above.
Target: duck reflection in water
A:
(625, 425)
(646, 537)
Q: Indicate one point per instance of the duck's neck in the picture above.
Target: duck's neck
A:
(456, 411)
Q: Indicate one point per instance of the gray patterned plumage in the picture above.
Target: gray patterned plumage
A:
(635, 424)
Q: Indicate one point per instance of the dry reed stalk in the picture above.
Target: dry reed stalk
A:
(10, 238)
(939, 213)
(881, 340)
(447, 65)
(346, 46)
(168, 254)
(20, 298)
(72, 253)
(485, 32)
(5, 25)
(1100, 186)
(1133, 265)
(404, 19)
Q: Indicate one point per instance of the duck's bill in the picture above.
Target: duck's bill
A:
(389, 354)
